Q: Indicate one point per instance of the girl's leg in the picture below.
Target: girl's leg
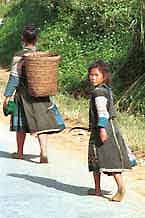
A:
(43, 140)
(97, 178)
(119, 180)
(121, 189)
(20, 136)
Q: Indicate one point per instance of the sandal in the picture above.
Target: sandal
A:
(15, 155)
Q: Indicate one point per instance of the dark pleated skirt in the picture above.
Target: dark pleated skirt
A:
(110, 156)
(35, 115)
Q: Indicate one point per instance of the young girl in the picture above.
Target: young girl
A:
(33, 115)
(107, 152)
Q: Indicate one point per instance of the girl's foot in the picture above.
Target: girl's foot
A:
(15, 155)
(118, 196)
(92, 191)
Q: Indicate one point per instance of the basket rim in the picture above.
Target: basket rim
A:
(51, 58)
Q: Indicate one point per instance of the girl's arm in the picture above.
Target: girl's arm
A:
(103, 116)
(103, 134)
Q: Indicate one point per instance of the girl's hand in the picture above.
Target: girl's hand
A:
(6, 100)
(103, 135)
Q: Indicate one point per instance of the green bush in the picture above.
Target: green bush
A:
(80, 31)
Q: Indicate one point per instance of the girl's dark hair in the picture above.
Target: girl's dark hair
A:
(30, 33)
(103, 67)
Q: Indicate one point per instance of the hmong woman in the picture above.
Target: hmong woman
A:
(107, 151)
(36, 115)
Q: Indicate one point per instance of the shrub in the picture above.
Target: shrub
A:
(80, 31)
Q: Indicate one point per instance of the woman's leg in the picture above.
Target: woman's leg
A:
(43, 141)
(20, 136)
(121, 189)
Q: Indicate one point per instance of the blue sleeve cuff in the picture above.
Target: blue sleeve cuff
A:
(102, 121)
(11, 85)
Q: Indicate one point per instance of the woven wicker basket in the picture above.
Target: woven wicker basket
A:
(41, 68)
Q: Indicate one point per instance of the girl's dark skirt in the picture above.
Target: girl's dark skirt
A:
(110, 156)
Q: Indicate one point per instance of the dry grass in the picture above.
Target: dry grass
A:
(133, 129)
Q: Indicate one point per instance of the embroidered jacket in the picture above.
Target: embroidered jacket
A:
(101, 107)
(16, 77)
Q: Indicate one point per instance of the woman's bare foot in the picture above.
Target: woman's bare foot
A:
(16, 155)
(43, 158)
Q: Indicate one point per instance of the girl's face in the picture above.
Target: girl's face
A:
(96, 77)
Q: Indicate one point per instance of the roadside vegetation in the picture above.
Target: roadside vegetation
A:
(132, 127)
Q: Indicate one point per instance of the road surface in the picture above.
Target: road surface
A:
(57, 189)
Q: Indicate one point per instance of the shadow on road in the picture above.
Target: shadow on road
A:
(27, 157)
(52, 183)
(4, 154)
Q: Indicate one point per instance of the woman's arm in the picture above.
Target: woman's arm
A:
(6, 100)
(13, 81)
(12, 84)
(10, 88)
